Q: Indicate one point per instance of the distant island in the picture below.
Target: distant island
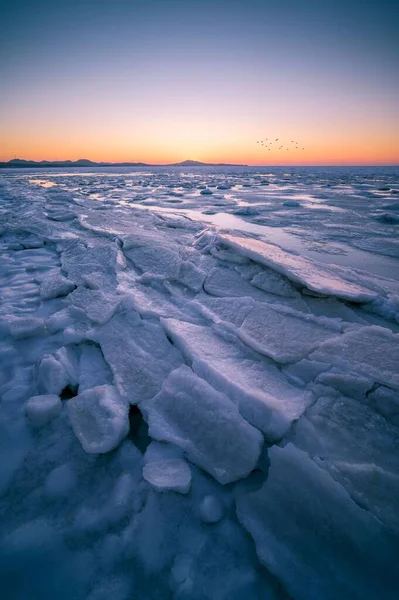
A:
(32, 164)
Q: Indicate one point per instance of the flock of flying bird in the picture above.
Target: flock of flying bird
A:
(265, 143)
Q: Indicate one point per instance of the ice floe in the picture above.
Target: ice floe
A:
(99, 418)
(201, 422)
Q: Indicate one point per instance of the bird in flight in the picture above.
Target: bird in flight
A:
(264, 143)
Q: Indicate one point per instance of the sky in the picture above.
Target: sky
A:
(162, 81)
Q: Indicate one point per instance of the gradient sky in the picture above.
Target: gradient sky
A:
(166, 80)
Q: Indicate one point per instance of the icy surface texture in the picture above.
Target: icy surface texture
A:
(335, 556)
(168, 475)
(189, 413)
(199, 392)
(99, 419)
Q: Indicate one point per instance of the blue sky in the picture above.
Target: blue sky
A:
(166, 79)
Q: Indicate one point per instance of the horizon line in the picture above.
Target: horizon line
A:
(128, 163)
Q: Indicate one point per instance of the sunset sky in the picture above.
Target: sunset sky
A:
(166, 80)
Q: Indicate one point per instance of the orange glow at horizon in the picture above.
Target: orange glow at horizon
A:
(336, 133)
(376, 151)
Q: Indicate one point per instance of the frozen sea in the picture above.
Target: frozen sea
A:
(199, 383)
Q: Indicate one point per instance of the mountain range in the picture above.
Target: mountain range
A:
(82, 162)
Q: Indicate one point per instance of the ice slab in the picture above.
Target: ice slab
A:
(157, 260)
(191, 276)
(370, 351)
(332, 281)
(52, 376)
(25, 327)
(189, 413)
(139, 354)
(98, 306)
(59, 321)
(42, 409)
(359, 449)
(272, 282)
(305, 370)
(225, 281)
(349, 384)
(93, 370)
(386, 401)
(147, 301)
(99, 418)
(284, 335)
(61, 215)
(312, 536)
(79, 260)
(68, 358)
(168, 475)
(262, 394)
(157, 451)
(232, 310)
(55, 285)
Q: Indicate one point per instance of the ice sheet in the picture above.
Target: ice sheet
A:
(253, 330)
(334, 558)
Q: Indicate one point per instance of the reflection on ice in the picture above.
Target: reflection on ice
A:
(43, 182)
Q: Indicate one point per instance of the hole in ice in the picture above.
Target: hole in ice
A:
(67, 393)
(138, 429)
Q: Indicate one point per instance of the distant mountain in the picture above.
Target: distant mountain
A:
(196, 163)
(83, 162)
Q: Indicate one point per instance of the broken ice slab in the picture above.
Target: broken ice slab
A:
(331, 280)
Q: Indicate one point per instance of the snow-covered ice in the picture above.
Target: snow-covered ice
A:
(372, 351)
(191, 414)
(42, 409)
(313, 537)
(168, 475)
(285, 336)
(199, 383)
(99, 418)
